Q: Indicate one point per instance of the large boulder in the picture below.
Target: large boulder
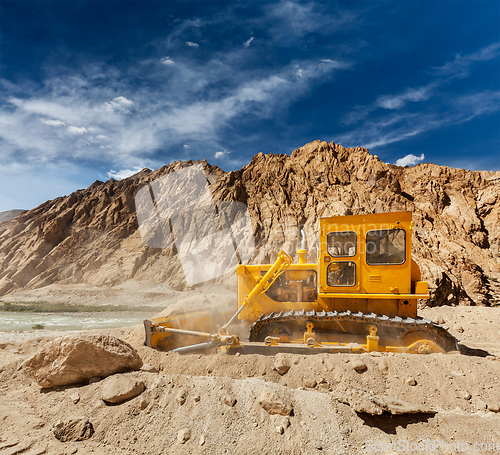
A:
(74, 360)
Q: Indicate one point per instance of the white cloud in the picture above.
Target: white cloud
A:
(410, 160)
(119, 104)
(167, 61)
(193, 103)
(190, 106)
(53, 122)
(62, 109)
(399, 100)
(221, 154)
(248, 41)
(78, 130)
(397, 127)
(390, 128)
(460, 66)
(299, 72)
(290, 20)
(481, 103)
(123, 101)
(191, 44)
(124, 173)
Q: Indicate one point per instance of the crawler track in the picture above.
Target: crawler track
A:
(329, 322)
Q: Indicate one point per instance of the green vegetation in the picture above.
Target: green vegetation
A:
(38, 327)
(46, 307)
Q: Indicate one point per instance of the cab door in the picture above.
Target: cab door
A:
(339, 255)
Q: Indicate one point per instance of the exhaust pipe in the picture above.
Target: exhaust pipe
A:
(303, 248)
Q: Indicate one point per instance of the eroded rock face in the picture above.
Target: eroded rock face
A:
(369, 403)
(74, 360)
(92, 235)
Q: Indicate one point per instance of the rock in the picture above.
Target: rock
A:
(74, 360)
(94, 379)
(411, 381)
(358, 365)
(281, 421)
(59, 424)
(144, 402)
(182, 396)
(494, 407)
(369, 403)
(73, 430)
(119, 388)
(324, 386)
(481, 404)
(466, 395)
(229, 400)
(280, 429)
(460, 329)
(273, 404)
(383, 365)
(184, 435)
(149, 368)
(281, 364)
(75, 397)
(196, 398)
(440, 320)
(310, 382)
(202, 440)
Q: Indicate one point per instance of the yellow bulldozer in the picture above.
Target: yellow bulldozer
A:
(360, 296)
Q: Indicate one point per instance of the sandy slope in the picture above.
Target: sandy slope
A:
(461, 389)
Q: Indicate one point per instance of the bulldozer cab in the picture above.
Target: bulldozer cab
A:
(365, 254)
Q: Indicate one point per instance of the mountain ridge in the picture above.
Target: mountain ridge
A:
(91, 236)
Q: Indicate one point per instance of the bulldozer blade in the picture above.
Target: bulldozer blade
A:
(172, 332)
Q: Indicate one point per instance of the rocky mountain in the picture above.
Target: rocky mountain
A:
(92, 235)
(9, 215)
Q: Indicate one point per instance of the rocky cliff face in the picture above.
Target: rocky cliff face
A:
(92, 236)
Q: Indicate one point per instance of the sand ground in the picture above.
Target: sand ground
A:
(461, 390)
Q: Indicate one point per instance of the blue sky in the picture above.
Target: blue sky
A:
(99, 89)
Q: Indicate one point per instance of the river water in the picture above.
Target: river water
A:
(70, 321)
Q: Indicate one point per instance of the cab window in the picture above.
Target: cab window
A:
(386, 246)
(341, 244)
(341, 273)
